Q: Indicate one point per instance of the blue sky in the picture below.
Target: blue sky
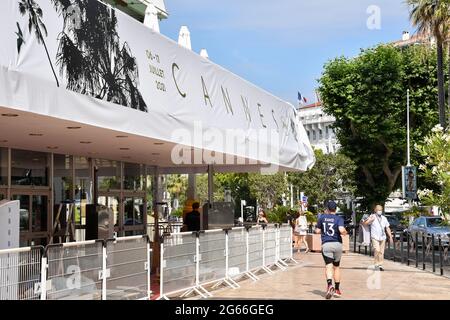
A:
(282, 45)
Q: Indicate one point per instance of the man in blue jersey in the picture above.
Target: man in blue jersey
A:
(331, 227)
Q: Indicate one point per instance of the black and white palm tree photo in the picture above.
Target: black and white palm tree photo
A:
(91, 56)
(36, 25)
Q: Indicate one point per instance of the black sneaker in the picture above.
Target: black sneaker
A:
(330, 292)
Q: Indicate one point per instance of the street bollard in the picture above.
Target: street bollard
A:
(441, 264)
(354, 239)
(365, 250)
(393, 243)
(408, 248)
(423, 250)
(402, 239)
(432, 251)
(417, 249)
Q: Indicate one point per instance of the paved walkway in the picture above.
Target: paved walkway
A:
(307, 281)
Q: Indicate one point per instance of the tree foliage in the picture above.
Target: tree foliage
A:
(436, 151)
(367, 96)
(332, 176)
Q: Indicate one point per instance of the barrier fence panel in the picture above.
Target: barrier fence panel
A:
(20, 273)
(75, 271)
(127, 268)
(270, 246)
(285, 242)
(237, 251)
(255, 248)
(212, 256)
(178, 263)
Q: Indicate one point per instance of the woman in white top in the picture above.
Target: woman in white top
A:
(300, 231)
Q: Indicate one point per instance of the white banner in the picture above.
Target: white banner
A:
(80, 60)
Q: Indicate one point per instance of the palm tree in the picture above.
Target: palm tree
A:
(432, 17)
(92, 57)
(35, 14)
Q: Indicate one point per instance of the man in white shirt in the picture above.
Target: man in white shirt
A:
(379, 233)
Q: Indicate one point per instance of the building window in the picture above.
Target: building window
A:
(327, 134)
(29, 168)
(320, 134)
(83, 188)
(314, 135)
(134, 211)
(109, 174)
(62, 178)
(3, 166)
(133, 176)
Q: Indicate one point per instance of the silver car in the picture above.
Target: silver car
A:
(429, 226)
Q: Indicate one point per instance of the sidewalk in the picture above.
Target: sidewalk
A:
(307, 281)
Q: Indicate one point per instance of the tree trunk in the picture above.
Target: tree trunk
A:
(448, 92)
(441, 84)
(48, 57)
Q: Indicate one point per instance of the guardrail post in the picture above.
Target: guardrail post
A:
(408, 248)
(104, 272)
(402, 239)
(44, 278)
(393, 243)
(416, 245)
(423, 250)
(441, 264)
(149, 289)
(432, 250)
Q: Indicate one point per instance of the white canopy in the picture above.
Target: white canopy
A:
(112, 79)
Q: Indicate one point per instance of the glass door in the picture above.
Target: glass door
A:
(35, 224)
(113, 201)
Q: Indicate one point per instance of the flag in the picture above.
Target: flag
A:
(301, 99)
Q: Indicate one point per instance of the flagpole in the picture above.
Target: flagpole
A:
(408, 129)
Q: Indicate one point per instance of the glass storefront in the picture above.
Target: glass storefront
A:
(3, 166)
(133, 177)
(112, 202)
(83, 188)
(133, 211)
(24, 211)
(29, 168)
(122, 187)
(39, 210)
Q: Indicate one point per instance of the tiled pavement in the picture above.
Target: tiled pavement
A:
(306, 280)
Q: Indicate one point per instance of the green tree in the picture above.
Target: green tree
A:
(332, 176)
(35, 23)
(432, 17)
(367, 96)
(268, 189)
(436, 151)
(177, 187)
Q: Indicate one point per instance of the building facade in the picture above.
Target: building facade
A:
(319, 127)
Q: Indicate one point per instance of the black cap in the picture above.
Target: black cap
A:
(331, 205)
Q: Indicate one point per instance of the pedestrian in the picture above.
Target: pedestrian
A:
(262, 217)
(331, 227)
(300, 231)
(380, 232)
(192, 219)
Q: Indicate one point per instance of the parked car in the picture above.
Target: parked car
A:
(396, 226)
(348, 223)
(429, 226)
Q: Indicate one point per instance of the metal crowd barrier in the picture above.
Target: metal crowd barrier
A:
(178, 263)
(20, 273)
(128, 268)
(285, 252)
(270, 258)
(193, 260)
(75, 271)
